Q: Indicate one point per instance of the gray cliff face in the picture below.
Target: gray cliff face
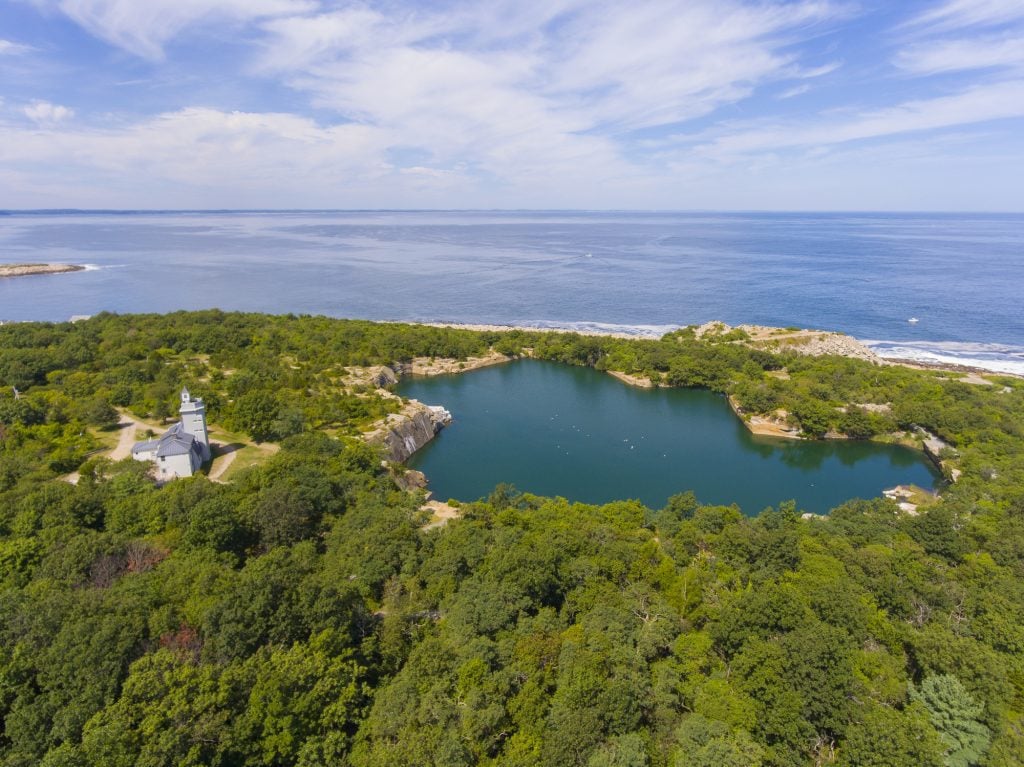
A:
(402, 434)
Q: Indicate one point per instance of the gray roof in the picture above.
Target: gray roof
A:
(175, 441)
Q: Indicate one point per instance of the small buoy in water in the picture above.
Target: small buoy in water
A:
(912, 320)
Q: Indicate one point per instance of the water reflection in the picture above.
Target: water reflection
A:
(558, 430)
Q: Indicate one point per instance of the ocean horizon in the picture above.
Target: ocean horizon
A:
(637, 272)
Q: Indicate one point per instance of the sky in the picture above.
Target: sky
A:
(570, 104)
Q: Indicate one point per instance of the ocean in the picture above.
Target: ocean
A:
(960, 276)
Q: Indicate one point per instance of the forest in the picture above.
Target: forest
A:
(304, 614)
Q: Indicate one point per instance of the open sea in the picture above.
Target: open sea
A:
(961, 276)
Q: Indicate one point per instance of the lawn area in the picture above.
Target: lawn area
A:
(234, 452)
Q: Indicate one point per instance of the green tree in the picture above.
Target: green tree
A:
(622, 751)
(708, 743)
(256, 412)
(886, 737)
(957, 718)
(99, 412)
(815, 417)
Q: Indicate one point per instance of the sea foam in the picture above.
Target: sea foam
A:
(999, 358)
(637, 331)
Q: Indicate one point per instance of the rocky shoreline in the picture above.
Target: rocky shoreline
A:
(24, 270)
(814, 343)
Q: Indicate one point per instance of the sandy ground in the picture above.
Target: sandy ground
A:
(766, 427)
(642, 382)
(441, 514)
(426, 366)
(974, 378)
(126, 440)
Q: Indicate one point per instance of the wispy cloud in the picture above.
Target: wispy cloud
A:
(452, 103)
(976, 105)
(200, 148)
(197, 156)
(9, 48)
(795, 91)
(548, 87)
(987, 52)
(961, 14)
(963, 35)
(143, 27)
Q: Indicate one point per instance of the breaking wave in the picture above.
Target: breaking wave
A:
(999, 358)
(637, 331)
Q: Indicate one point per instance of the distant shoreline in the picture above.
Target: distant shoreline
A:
(24, 270)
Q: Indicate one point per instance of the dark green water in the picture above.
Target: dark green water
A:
(554, 429)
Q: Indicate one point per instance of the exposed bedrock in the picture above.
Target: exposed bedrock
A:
(403, 433)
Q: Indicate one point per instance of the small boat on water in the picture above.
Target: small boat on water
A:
(913, 320)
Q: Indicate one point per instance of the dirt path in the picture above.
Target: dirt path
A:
(126, 440)
(220, 465)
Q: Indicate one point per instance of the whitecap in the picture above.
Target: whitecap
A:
(999, 358)
(637, 331)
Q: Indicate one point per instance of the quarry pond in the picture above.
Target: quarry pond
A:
(554, 429)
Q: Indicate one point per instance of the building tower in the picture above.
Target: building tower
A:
(193, 421)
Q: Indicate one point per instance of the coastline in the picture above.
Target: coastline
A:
(948, 367)
(803, 341)
(486, 328)
(26, 270)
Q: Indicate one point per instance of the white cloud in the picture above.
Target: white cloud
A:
(196, 157)
(959, 14)
(9, 48)
(45, 113)
(527, 91)
(636, 66)
(933, 57)
(798, 90)
(143, 27)
(222, 155)
(975, 105)
(503, 103)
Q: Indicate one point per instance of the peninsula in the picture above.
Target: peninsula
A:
(23, 270)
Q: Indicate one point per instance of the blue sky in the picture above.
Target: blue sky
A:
(693, 104)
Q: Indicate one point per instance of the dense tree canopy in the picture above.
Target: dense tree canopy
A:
(302, 614)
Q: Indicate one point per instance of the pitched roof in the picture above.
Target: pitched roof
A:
(175, 441)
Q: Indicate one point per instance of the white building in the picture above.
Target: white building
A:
(184, 447)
